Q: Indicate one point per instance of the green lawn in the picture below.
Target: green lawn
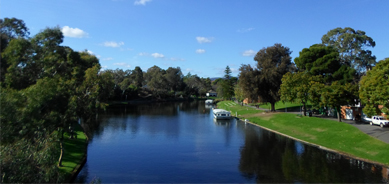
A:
(282, 106)
(75, 149)
(235, 108)
(328, 133)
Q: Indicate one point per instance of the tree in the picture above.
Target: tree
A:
(374, 89)
(296, 87)
(324, 61)
(227, 85)
(156, 81)
(336, 95)
(42, 84)
(174, 78)
(272, 63)
(137, 76)
(10, 28)
(238, 91)
(193, 84)
(352, 46)
(321, 79)
(248, 82)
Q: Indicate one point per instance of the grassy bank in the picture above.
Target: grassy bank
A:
(282, 106)
(75, 150)
(334, 135)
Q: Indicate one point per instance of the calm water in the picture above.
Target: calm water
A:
(182, 143)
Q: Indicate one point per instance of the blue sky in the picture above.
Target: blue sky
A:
(199, 36)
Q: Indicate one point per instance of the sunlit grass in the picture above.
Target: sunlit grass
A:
(334, 135)
(75, 149)
(236, 109)
(281, 105)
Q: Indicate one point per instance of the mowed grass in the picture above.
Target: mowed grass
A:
(282, 105)
(334, 135)
(236, 108)
(75, 149)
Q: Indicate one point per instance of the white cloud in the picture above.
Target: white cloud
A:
(103, 68)
(204, 40)
(249, 53)
(73, 32)
(90, 52)
(234, 70)
(189, 69)
(245, 30)
(200, 51)
(176, 59)
(157, 55)
(112, 44)
(107, 59)
(141, 2)
(143, 54)
(122, 64)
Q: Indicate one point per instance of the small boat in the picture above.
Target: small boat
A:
(209, 102)
(221, 114)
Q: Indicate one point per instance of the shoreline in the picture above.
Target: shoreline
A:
(330, 136)
(78, 147)
(316, 145)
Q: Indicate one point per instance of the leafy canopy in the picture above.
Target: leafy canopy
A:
(374, 89)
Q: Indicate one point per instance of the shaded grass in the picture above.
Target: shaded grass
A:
(281, 106)
(334, 135)
(74, 150)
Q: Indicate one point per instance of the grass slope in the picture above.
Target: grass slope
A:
(281, 105)
(75, 149)
(334, 135)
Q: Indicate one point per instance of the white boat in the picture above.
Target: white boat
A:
(221, 114)
(209, 102)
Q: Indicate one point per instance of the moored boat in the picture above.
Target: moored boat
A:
(221, 114)
(209, 102)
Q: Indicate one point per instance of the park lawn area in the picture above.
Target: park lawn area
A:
(281, 105)
(331, 134)
(237, 108)
(75, 149)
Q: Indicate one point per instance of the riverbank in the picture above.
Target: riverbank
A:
(340, 137)
(75, 154)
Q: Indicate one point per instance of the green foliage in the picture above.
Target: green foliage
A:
(247, 82)
(352, 46)
(238, 91)
(374, 89)
(46, 88)
(324, 79)
(335, 95)
(137, 76)
(296, 87)
(227, 85)
(272, 63)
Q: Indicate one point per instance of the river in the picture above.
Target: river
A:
(180, 142)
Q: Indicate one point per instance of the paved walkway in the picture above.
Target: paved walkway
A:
(374, 131)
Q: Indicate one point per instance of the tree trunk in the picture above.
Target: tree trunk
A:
(273, 108)
(304, 109)
(61, 155)
(339, 114)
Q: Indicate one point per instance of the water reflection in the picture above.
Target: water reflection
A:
(222, 122)
(270, 158)
(182, 142)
